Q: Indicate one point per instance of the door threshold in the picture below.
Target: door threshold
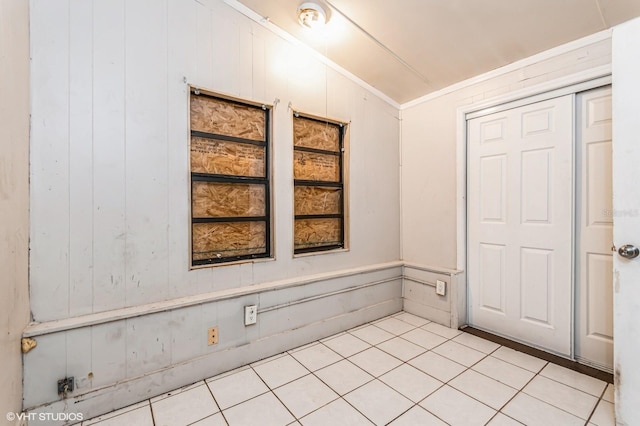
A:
(555, 359)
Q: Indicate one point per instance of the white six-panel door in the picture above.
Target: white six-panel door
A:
(594, 266)
(520, 223)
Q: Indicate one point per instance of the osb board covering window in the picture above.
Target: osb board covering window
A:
(214, 115)
(228, 239)
(313, 166)
(312, 233)
(229, 159)
(313, 200)
(315, 134)
(318, 179)
(212, 199)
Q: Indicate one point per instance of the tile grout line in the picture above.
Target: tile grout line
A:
(595, 407)
(216, 402)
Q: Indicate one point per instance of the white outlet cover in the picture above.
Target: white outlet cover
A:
(250, 314)
(441, 287)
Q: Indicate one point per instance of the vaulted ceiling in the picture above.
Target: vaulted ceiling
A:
(409, 48)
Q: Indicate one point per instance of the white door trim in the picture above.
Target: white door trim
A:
(585, 80)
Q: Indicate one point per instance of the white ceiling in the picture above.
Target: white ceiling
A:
(409, 48)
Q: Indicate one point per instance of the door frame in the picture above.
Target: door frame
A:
(572, 84)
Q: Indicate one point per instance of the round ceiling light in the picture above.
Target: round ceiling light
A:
(312, 15)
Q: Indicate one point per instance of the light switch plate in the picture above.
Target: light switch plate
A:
(441, 287)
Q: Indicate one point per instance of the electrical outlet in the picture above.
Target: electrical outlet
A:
(441, 287)
(65, 386)
(213, 335)
(250, 314)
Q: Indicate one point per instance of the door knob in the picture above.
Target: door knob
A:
(629, 251)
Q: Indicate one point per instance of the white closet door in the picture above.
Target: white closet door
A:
(594, 291)
(520, 223)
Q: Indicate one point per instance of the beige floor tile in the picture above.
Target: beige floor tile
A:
(343, 376)
(316, 357)
(185, 407)
(533, 412)
(280, 371)
(137, 414)
(424, 338)
(459, 353)
(375, 362)
(412, 319)
(574, 379)
(486, 390)
(264, 410)
(504, 372)
(401, 348)
(394, 326)
(339, 412)
(215, 420)
(441, 330)
(456, 408)
(437, 366)
(609, 394)
(476, 343)
(519, 359)
(347, 345)
(411, 382)
(305, 395)
(502, 420)
(236, 388)
(372, 334)
(378, 402)
(569, 399)
(604, 415)
(417, 416)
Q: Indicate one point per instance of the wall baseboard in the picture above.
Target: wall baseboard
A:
(291, 314)
(120, 362)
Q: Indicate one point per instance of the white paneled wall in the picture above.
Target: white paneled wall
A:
(113, 300)
(109, 178)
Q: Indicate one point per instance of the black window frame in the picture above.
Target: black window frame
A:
(318, 183)
(220, 178)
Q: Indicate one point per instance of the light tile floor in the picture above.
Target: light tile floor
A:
(400, 370)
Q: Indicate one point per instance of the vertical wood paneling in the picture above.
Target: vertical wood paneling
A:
(49, 275)
(146, 151)
(109, 230)
(183, 52)
(204, 47)
(108, 352)
(245, 61)
(258, 70)
(188, 334)
(148, 343)
(226, 40)
(281, 159)
(44, 368)
(204, 76)
(79, 358)
(80, 157)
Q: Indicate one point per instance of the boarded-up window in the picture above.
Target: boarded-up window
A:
(319, 196)
(229, 180)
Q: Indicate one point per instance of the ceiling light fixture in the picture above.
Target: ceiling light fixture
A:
(312, 15)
